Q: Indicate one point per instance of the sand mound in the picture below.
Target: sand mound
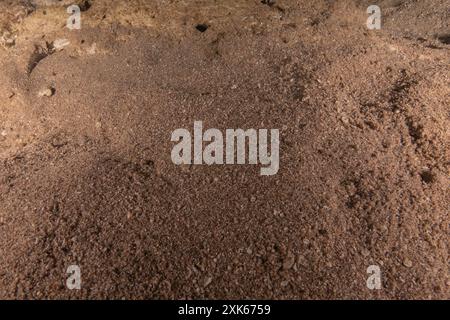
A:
(86, 176)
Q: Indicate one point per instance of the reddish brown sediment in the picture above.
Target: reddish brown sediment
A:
(86, 175)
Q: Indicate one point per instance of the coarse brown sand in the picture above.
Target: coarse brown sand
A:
(86, 176)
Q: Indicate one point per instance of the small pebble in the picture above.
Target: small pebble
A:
(344, 119)
(92, 49)
(302, 261)
(289, 261)
(407, 263)
(47, 92)
(59, 44)
(207, 282)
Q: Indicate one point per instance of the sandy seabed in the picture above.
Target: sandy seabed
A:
(86, 176)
